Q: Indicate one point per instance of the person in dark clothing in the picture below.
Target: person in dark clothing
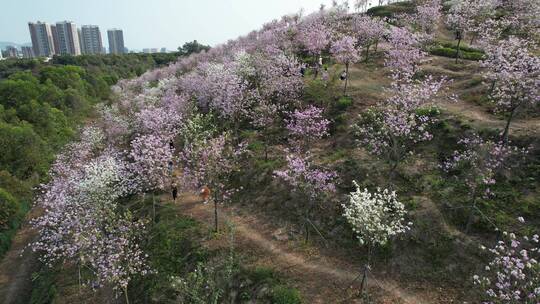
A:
(171, 145)
(343, 75)
(174, 193)
(303, 71)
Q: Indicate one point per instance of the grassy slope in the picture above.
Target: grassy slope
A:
(436, 257)
(436, 254)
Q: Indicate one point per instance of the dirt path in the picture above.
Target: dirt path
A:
(319, 277)
(18, 265)
(478, 115)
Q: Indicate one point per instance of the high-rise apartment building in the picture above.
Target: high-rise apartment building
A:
(116, 41)
(68, 39)
(91, 39)
(81, 46)
(11, 52)
(42, 40)
(28, 52)
(55, 42)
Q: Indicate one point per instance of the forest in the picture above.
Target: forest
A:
(350, 155)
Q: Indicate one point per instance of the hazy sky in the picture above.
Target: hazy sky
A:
(151, 23)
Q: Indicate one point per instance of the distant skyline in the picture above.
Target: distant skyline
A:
(152, 23)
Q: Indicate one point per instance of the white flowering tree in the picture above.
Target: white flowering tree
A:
(375, 219)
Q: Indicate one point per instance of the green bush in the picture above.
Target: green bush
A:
(9, 207)
(284, 295)
(429, 111)
(462, 47)
(392, 9)
(44, 285)
(451, 52)
(344, 102)
(261, 274)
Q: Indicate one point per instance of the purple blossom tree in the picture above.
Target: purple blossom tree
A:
(307, 125)
(368, 31)
(82, 224)
(151, 157)
(404, 56)
(393, 131)
(345, 52)
(307, 181)
(480, 162)
(514, 72)
(513, 274)
(211, 162)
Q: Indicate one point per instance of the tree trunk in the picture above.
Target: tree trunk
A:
(507, 127)
(492, 87)
(367, 53)
(364, 282)
(471, 213)
(265, 151)
(126, 294)
(153, 207)
(215, 213)
(457, 52)
(395, 164)
(346, 78)
(79, 278)
(473, 36)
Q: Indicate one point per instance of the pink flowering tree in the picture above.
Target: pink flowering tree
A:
(513, 274)
(151, 157)
(345, 52)
(219, 87)
(315, 36)
(514, 72)
(480, 163)
(267, 118)
(82, 223)
(404, 56)
(305, 126)
(368, 31)
(472, 16)
(425, 18)
(211, 163)
(308, 181)
(403, 122)
(458, 19)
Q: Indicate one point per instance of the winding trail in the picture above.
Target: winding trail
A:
(319, 277)
(18, 265)
(478, 115)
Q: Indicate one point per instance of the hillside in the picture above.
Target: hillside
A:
(336, 157)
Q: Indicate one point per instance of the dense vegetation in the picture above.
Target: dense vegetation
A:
(41, 107)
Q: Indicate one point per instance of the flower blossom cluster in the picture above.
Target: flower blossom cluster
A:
(375, 217)
(481, 160)
(301, 174)
(513, 275)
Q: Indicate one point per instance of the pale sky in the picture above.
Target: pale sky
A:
(151, 23)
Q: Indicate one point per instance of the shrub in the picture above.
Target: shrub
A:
(284, 295)
(429, 111)
(344, 102)
(449, 49)
(391, 9)
(9, 207)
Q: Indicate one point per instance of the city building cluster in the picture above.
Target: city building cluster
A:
(65, 38)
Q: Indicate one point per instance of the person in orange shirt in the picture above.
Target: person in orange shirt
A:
(205, 193)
